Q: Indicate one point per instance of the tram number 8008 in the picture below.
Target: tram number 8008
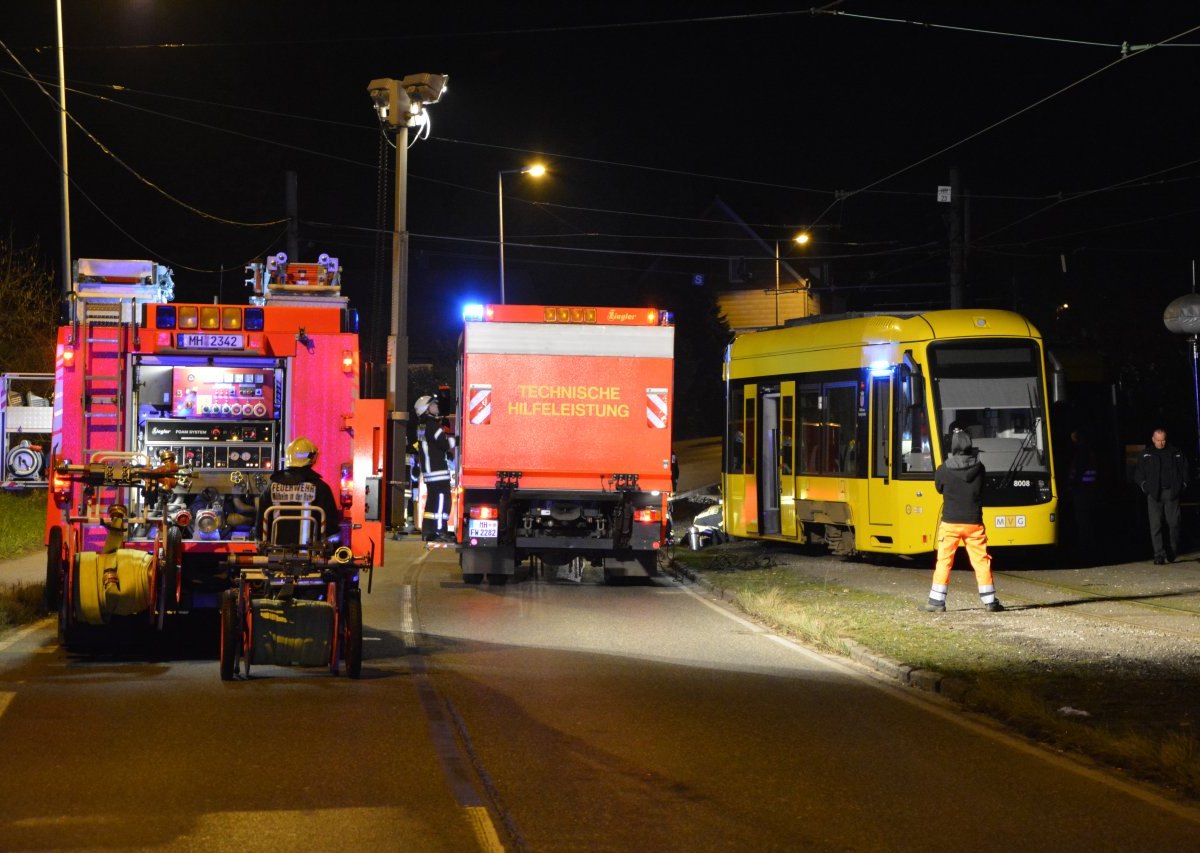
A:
(1022, 483)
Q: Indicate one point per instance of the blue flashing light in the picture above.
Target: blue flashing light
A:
(164, 317)
(472, 312)
(666, 318)
(252, 320)
(881, 367)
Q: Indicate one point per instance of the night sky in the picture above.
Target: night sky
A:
(1079, 167)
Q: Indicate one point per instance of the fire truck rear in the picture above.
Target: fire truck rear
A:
(564, 457)
(169, 419)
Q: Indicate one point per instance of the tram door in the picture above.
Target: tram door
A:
(880, 494)
(776, 460)
(768, 462)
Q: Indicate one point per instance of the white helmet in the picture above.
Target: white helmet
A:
(423, 403)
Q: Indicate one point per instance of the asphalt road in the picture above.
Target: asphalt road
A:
(538, 716)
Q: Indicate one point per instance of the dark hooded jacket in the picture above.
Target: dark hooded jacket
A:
(960, 481)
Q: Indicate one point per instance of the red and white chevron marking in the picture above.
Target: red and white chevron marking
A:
(656, 408)
(479, 405)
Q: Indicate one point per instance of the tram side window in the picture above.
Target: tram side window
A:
(914, 452)
(785, 442)
(844, 437)
(810, 459)
(751, 435)
(735, 441)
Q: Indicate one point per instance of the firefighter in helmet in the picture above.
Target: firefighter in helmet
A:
(436, 448)
(298, 484)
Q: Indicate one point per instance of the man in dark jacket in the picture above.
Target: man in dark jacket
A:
(960, 481)
(1162, 475)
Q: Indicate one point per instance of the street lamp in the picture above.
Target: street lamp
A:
(400, 104)
(536, 170)
(801, 239)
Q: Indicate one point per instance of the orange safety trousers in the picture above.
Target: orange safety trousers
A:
(974, 537)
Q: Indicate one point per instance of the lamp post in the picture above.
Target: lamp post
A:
(68, 278)
(536, 170)
(800, 239)
(400, 104)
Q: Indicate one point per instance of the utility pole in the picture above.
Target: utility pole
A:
(293, 228)
(399, 105)
(958, 262)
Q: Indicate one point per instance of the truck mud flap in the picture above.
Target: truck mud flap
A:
(639, 564)
(487, 561)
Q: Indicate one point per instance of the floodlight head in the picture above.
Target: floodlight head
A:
(425, 88)
(391, 101)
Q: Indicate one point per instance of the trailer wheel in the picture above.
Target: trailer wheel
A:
(54, 570)
(472, 578)
(231, 634)
(168, 574)
(352, 639)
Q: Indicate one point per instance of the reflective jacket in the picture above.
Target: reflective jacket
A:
(297, 487)
(437, 448)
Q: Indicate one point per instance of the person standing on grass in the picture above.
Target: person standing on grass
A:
(1162, 475)
(960, 482)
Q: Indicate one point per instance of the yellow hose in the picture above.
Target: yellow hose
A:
(116, 584)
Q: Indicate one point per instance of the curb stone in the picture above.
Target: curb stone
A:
(921, 679)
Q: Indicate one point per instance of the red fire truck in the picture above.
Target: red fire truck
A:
(564, 456)
(168, 420)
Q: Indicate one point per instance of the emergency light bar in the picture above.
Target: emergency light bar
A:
(231, 318)
(562, 314)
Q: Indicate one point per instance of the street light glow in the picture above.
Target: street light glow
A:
(536, 170)
(802, 238)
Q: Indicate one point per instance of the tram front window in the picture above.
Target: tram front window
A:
(993, 390)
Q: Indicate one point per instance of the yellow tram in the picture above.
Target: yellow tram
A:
(834, 426)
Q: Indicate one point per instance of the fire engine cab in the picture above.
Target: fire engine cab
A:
(169, 418)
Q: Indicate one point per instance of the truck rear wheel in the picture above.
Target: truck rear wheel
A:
(72, 636)
(54, 570)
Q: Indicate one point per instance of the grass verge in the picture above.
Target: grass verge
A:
(22, 530)
(1003, 679)
(22, 522)
(20, 604)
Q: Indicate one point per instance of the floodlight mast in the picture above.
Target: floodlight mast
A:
(400, 104)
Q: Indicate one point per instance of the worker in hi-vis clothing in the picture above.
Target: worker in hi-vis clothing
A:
(960, 482)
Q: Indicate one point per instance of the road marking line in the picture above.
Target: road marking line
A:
(20, 635)
(406, 616)
(456, 766)
(765, 633)
(484, 829)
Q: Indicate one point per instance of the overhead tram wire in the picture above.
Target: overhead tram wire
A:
(112, 155)
(116, 225)
(722, 178)
(1005, 120)
(827, 10)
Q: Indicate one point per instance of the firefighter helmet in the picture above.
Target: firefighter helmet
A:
(300, 453)
(423, 403)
